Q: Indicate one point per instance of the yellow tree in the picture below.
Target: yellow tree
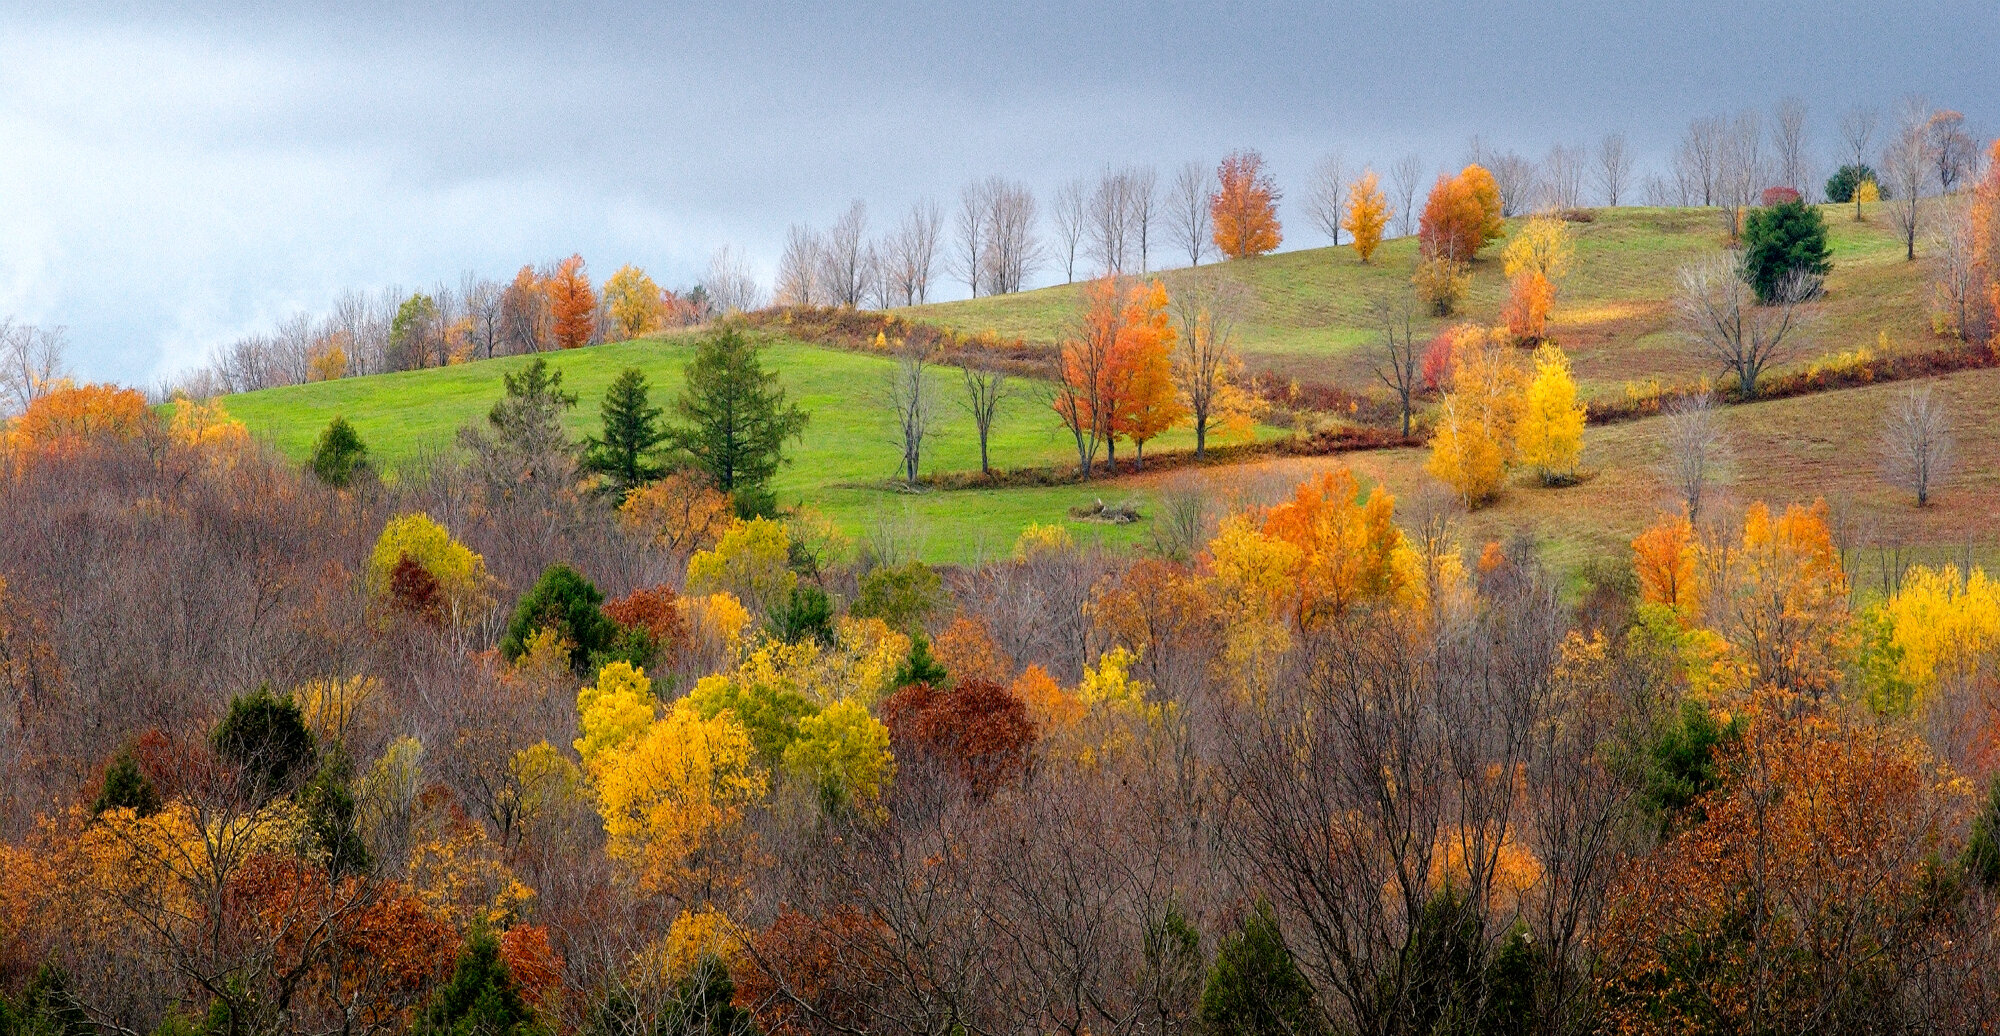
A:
(1550, 435)
(1536, 258)
(1477, 422)
(456, 571)
(1367, 213)
(637, 305)
(1350, 550)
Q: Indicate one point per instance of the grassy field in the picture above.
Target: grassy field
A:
(1310, 315)
(842, 467)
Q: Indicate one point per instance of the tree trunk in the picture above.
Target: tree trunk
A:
(1201, 437)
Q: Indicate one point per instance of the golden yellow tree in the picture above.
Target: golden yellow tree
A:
(637, 306)
(1367, 213)
(1550, 435)
(1478, 421)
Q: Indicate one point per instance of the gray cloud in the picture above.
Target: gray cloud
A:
(171, 179)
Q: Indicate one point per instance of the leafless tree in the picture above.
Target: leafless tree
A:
(1189, 203)
(1613, 170)
(1917, 443)
(969, 259)
(1143, 195)
(986, 387)
(1405, 179)
(729, 284)
(1013, 249)
(31, 362)
(802, 269)
(1719, 313)
(1562, 176)
(1694, 451)
(1110, 226)
(1698, 161)
(1952, 150)
(1741, 170)
(912, 404)
(910, 255)
(844, 257)
(1518, 179)
(1957, 273)
(1857, 130)
(1910, 168)
(1326, 196)
(1206, 312)
(481, 299)
(1071, 214)
(1399, 364)
(1788, 139)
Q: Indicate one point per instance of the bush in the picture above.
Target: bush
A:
(338, 454)
(1781, 241)
(1777, 196)
(1840, 187)
(901, 595)
(564, 601)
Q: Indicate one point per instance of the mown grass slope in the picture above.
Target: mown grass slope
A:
(843, 466)
(1311, 312)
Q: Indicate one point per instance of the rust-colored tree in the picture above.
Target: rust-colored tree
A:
(975, 731)
(1244, 210)
(572, 304)
(1461, 214)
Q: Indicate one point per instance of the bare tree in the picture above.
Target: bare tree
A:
(1741, 171)
(31, 362)
(910, 255)
(1694, 451)
(802, 269)
(1917, 443)
(1788, 139)
(1110, 232)
(1189, 203)
(845, 257)
(1957, 273)
(1405, 179)
(1562, 176)
(1907, 163)
(488, 325)
(1857, 130)
(1719, 314)
(1518, 179)
(1206, 311)
(1071, 213)
(1399, 366)
(1951, 147)
(1326, 196)
(729, 284)
(985, 388)
(1143, 198)
(1613, 170)
(912, 405)
(1698, 161)
(969, 260)
(1013, 250)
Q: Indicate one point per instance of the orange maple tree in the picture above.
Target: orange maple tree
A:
(1244, 210)
(1350, 548)
(572, 303)
(1143, 402)
(1460, 215)
(69, 415)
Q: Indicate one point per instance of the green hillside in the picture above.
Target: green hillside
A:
(1310, 315)
(842, 467)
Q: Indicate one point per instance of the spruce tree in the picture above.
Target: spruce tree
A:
(1780, 241)
(126, 787)
(480, 999)
(1255, 987)
(626, 454)
(737, 419)
(339, 454)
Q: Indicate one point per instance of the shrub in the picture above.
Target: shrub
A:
(563, 601)
(1777, 196)
(338, 454)
(901, 595)
(1780, 241)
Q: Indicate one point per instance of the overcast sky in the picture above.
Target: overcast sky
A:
(170, 180)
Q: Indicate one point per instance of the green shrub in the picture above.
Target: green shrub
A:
(564, 601)
(265, 737)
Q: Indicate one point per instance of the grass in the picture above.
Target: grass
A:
(1310, 317)
(842, 467)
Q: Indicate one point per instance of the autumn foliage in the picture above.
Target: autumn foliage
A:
(1244, 210)
(572, 304)
(1461, 214)
(1116, 370)
(1367, 213)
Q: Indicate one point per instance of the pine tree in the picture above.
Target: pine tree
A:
(564, 601)
(524, 441)
(1255, 988)
(626, 453)
(126, 787)
(737, 419)
(480, 999)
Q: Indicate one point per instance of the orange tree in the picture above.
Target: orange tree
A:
(1244, 210)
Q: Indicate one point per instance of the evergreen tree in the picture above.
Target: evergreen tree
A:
(920, 667)
(480, 998)
(125, 787)
(626, 454)
(330, 815)
(737, 419)
(562, 600)
(338, 454)
(1846, 180)
(1782, 240)
(1255, 987)
(807, 615)
(703, 1004)
(266, 738)
(45, 1008)
(524, 442)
